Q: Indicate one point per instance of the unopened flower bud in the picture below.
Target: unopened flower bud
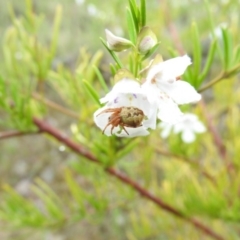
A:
(121, 74)
(146, 40)
(115, 43)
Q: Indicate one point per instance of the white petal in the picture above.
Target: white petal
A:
(188, 136)
(169, 70)
(151, 91)
(179, 127)
(176, 66)
(151, 117)
(169, 112)
(166, 129)
(124, 86)
(198, 127)
(133, 132)
(181, 92)
(154, 71)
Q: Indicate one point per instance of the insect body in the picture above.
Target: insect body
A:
(124, 117)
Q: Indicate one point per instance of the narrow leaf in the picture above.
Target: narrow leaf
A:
(55, 34)
(114, 56)
(143, 13)
(208, 63)
(134, 11)
(196, 52)
(131, 27)
(237, 55)
(127, 149)
(92, 92)
(101, 79)
(227, 48)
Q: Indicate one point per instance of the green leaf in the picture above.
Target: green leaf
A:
(113, 69)
(131, 26)
(78, 194)
(134, 11)
(92, 92)
(55, 34)
(208, 63)
(143, 13)
(114, 56)
(101, 79)
(227, 48)
(196, 53)
(237, 55)
(51, 201)
(128, 148)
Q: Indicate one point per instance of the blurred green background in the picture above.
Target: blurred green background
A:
(107, 209)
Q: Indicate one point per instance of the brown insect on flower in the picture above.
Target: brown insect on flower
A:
(124, 117)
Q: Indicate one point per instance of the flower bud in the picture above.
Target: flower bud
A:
(146, 40)
(115, 43)
(121, 74)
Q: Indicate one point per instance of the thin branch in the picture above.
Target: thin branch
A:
(45, 127)
(10, 134)
(220, 77)
(55, 106)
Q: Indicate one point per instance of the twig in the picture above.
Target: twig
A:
(220, 77)
(10, 134)
(45, 127)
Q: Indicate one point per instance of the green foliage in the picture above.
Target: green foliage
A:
(35, 81)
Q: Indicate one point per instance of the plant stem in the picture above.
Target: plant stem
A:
(10, 134)
(220, 77)
(45, 127)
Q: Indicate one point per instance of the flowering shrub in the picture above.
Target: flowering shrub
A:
(156, 96)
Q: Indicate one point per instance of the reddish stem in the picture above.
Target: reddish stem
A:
(45, 127)
(10, 134)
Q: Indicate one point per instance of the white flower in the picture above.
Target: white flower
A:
(188, 127)
(128, 113)
(163, 88)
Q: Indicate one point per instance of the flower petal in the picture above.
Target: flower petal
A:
(181, 92)
(198, 127)
(188, 136)
(169, 111)
(169, 70)
(177, 66)
(166, 129)
(123, 86)
(133, 132)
